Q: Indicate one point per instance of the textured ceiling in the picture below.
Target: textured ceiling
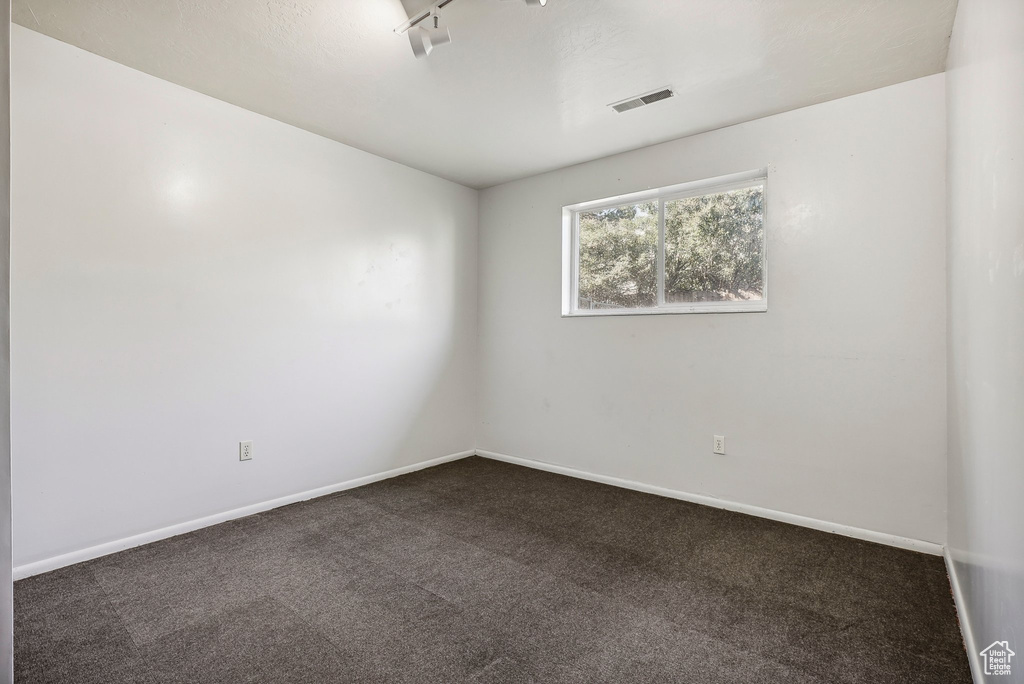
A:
(522, 89)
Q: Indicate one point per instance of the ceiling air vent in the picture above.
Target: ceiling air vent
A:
(642, 100)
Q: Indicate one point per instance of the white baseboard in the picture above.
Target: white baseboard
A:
(965, 624)
(38, 567)
(48, 564)
(791, 518)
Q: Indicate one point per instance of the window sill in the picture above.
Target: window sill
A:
(746, 307)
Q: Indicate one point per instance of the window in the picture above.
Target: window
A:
(691, 248)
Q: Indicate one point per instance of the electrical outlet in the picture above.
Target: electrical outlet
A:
(245, 451)
(719, 444)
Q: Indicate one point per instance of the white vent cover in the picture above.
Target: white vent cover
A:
(642, 100)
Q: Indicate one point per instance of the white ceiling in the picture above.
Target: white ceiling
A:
(521, 89)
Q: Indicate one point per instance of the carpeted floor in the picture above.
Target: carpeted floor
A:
(479, 571)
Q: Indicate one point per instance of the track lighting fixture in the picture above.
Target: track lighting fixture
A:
(425, 38)
(426, 33)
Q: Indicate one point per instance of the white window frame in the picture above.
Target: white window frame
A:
(571, 246)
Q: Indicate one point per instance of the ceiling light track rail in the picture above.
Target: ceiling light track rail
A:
(415, 21)
(424, 38)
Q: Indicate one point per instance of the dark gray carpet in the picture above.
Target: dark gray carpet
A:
(479, 571)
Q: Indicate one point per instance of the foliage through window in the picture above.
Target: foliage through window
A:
(690, 248)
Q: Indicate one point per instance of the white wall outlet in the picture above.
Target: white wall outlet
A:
(245, 451)
(719, 444)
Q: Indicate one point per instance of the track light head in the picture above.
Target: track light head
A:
(424, 39)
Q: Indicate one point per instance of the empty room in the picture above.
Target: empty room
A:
(512, 341)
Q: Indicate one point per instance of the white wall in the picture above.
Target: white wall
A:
(186, 275)
(985, 84)
(6, 579)
(833, 402)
